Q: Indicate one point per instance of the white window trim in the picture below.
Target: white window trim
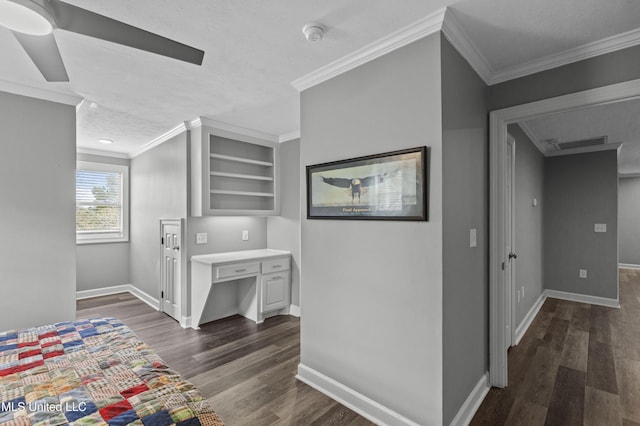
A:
(108, 237)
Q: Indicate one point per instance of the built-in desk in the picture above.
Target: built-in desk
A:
(251, 283)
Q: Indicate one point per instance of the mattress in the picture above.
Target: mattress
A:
(92, 372)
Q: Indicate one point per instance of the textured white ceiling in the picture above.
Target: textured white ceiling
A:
(254, 49)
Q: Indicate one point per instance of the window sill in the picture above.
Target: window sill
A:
(101, 240)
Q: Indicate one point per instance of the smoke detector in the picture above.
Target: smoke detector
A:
(313, 31)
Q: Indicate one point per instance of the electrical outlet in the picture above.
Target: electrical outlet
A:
(600, 227)
(245, 235)
(201, 238)
(583, 273)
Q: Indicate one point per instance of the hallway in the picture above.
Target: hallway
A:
(578, 364)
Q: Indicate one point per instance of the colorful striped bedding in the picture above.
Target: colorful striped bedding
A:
(92, 372)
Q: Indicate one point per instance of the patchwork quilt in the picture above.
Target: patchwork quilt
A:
(92, 372)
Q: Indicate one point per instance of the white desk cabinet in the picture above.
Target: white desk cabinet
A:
(251, 283)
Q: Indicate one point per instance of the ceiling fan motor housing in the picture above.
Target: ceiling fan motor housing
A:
(33, 17)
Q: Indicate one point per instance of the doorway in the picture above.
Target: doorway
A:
(500, 291)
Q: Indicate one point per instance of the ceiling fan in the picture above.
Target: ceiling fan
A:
(33, 21)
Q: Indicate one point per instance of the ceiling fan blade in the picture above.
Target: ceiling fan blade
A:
(43, 51)
(82, 21)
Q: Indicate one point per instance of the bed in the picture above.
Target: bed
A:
(92, 372)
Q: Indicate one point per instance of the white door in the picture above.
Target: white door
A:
(510, 298)
(170, 267)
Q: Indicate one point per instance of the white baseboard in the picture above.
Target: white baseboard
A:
(528, 319)
(583, 298)
(105, 291)
(294, 310)
(472, 403)
(145, 297)
(125, 288)
(366, 407)
(628, 266)
(185, 322)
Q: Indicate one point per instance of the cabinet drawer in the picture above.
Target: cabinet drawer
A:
(237, 270)
(276, 265)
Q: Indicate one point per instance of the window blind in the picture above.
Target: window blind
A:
(98, 202)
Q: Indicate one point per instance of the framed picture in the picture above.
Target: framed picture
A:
(388, 186)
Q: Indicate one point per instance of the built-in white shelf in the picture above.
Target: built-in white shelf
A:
(242, 193)
(233, 175)
(241, 176)
(242, 160)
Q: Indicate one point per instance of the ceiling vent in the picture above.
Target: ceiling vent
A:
(582, 143)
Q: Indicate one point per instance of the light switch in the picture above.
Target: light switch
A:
(600, 227)
(201, 238)
(582, 273)
(534, 203)
(473, 237)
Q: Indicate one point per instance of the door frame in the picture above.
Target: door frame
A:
(180, 303)
(498, 121)
(510, 298)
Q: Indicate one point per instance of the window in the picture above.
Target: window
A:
(101, 203)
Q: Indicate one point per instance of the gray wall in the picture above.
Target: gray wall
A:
(158, 182)
(372, 290)
(37, 217)
(580, 191)
(616, 67)
(465, 206)
(283, 232)
(529, 184)
(629, 225)
(104, 264)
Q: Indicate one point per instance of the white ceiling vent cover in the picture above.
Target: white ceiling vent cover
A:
(601, 140)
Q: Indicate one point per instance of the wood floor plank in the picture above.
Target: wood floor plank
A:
(601, 408)
(601, 371)
(495, 408)
(525, 413)
(567, 401)
(576, 350)
(540, 378)
(628, 375)
(556, 334)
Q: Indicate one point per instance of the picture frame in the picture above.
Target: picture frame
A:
(387, 186)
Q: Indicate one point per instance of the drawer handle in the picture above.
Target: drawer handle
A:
(241, 270)
(275, 278)
(276, 266)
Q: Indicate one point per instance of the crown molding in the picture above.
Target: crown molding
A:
(459, 39)
(586, 51)
(232, 128)
(412, 32)
(102, 153)
(289, 136)
(37, 93)
(160, 139)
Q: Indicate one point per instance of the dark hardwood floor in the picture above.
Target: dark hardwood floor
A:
(577, 364)
(247, 371)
